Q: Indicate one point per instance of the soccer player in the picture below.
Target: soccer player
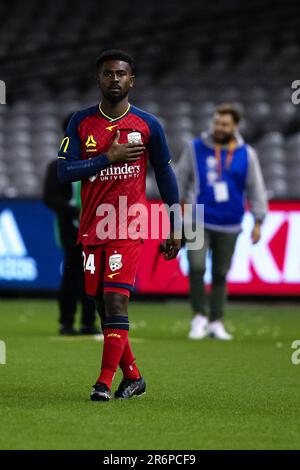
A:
(107, 146)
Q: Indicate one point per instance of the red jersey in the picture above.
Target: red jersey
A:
(90, 133)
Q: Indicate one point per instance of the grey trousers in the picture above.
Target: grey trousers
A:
(221, 246)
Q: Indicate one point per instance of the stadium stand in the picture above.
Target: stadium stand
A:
(190, 57)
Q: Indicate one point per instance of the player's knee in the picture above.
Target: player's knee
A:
(115, 304)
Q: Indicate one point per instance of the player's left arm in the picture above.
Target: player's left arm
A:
(160, 160)
(256, 193)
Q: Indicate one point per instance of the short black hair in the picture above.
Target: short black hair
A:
(115, 54)
(229, 108)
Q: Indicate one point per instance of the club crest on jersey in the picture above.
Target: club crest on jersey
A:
(134, 137)
(91, 144)
(115, 262)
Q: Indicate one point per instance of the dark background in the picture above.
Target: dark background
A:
(190, 56)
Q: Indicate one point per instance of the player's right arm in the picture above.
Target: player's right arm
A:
(72, 168)
(70, 165)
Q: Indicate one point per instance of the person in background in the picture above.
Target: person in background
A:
(64, 200)
(218, 170)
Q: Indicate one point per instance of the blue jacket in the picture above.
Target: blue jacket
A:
(197, 172)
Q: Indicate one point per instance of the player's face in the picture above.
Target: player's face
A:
(224, 128)
(115, 80)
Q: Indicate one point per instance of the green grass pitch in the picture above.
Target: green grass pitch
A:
(201, 395)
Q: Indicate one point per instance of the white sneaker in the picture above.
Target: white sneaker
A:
(198, 327)
(217, 330)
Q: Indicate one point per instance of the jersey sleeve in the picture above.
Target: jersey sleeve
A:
(160, 159)
(159, 154)
(70, 165)
(70, 147)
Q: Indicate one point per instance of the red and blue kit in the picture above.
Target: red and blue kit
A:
(111, 257)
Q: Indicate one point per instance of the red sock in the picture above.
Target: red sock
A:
(114, 342)
(127, 363)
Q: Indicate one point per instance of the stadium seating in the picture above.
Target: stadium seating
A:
(190, 56)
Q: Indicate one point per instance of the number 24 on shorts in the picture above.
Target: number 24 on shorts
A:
(89, 263)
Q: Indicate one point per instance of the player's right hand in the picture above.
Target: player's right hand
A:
(121, 153)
